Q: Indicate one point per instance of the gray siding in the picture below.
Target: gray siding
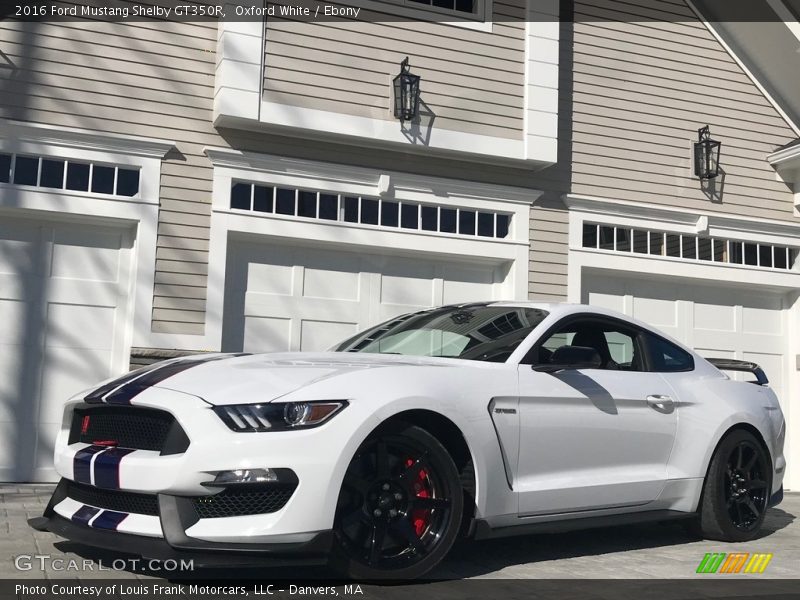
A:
(146, 79)
(642, 89)
(472, 81)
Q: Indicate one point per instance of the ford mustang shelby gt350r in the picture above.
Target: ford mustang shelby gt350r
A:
(483, 419)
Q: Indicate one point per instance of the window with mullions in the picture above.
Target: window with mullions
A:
(461, 6)
(389, 214)
(65, 174)
(687, 247)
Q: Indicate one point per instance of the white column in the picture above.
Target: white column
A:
(541, 80)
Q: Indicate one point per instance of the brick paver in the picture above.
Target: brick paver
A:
(641, 551)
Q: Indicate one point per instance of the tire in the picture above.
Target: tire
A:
(736, 490)
(399, 509)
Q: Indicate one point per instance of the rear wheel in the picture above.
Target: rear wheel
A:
(736, 490)
(399, 508)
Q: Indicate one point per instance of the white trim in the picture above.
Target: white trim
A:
(231, 165)
(314, 122)
(786, 16)
(787, 163)
(361, 180)
(604, 211)
(239, 71)
(744, 68)
(681, 221)
(478, 22)
(542, 33)
(84, 139)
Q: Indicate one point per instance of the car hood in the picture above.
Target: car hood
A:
(232, 379)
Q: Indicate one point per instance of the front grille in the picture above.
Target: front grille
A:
(236, 503)
(127, 502)
(128, 427)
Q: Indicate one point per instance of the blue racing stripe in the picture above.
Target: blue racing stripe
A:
(106, 467)
(85, 514)
(96, 396)
(82, 463)
(109, 519)
(127, 392)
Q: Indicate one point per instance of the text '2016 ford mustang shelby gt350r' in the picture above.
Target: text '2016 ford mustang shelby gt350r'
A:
(482, 419)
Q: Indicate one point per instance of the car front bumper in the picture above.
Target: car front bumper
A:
(176, 516)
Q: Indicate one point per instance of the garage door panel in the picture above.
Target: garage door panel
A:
(293, 307)
(406, 291)
(14, 360)
(87, 255)
(70, 370)
(75, 291)
(273, 279)
(317, 336)
(658, 312)
(60, 310)
(80, 326)
(773, 365)
(762, 321)
(19, 250)
(18, 438)
(714, 317)
(331, 284)
(302, 298)
(461, 283)
(267, 333)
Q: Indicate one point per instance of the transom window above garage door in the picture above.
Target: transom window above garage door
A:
(369, 211)
(689, 247)
(68, 174)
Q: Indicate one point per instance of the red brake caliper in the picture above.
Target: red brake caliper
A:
(420, 517)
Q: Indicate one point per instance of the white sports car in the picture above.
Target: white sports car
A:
(485, 419)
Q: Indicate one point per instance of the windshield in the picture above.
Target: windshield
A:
(474, 332)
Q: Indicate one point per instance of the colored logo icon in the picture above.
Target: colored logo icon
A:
(735, 562)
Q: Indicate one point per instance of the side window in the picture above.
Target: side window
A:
(617, 345)
(666, 357)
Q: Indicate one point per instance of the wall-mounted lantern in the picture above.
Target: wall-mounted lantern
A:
(706, 155)
(406, 93)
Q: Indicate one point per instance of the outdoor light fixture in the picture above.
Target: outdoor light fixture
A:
(406, 93)
(706, 155)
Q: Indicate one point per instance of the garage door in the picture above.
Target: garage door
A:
(62, 308)
(299, 298)
(717, 321)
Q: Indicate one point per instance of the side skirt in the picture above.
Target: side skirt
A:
(482, 529)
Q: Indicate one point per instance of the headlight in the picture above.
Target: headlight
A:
(282, 416)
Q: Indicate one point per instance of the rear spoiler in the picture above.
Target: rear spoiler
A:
(728, 364)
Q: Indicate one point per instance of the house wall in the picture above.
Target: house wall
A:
(472, 81)
(644, 80)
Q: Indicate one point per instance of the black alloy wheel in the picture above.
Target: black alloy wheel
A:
(400, 507)
(736, 491)
(745, 485)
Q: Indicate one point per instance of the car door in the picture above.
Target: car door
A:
(593, 438)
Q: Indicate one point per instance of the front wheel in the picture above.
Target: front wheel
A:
(736, 490)
(400, 507)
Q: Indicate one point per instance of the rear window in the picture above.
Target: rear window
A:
(666, 357)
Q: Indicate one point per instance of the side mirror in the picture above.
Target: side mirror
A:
(571, 358)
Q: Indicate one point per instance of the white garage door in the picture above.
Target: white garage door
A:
(62, 308)
(298, 298)
(717, 321)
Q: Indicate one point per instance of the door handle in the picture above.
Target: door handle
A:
(663, 404)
